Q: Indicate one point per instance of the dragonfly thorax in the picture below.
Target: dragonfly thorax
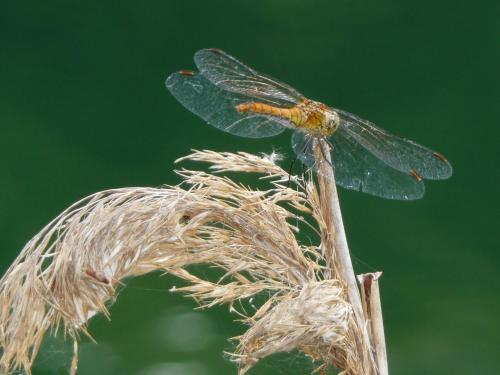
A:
(317, 119)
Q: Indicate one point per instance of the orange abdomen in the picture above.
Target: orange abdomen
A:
(293, 114)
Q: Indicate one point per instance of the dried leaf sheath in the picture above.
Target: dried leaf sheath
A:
(71, 269)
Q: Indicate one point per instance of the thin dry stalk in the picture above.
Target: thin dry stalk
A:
(73, 268)
(336, 250)
(372, 308)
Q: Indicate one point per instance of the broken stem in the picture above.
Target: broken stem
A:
(373, 314)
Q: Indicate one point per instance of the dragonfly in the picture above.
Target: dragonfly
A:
(237, 99)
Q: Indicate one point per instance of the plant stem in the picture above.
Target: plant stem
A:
(373, 314)
(337, 253)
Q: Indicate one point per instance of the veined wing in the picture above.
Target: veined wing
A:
(232, 75)
(358, 169)
(401, 154)
(218, 107)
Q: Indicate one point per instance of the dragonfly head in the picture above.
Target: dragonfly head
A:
(332, 121)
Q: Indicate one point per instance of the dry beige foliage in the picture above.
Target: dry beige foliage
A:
(70, 271)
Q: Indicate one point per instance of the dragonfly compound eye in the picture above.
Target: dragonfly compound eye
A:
(332, 122)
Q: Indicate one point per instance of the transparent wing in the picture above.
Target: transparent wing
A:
(217, 106)
(232, 75)
(401, 154)
(358, 169)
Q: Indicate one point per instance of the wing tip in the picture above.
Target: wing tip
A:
(172, 79)
(211, 51)
(447, 169)
(448, 174)
(442, 172)
(217, 51)
(440, 156)
(168, 80)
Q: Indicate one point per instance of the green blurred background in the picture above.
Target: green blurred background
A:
(83, 108)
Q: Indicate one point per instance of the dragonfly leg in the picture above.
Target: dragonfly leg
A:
(302, 151)
(290, 170)
(323, 150)
(308, 143)
(329, 143)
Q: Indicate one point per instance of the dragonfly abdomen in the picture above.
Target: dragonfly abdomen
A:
(293, 114)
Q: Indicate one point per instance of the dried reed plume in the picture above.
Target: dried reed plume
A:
(71, 270)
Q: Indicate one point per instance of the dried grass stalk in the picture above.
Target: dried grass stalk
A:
(372, 309)
(70, 271)
(337, 252)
